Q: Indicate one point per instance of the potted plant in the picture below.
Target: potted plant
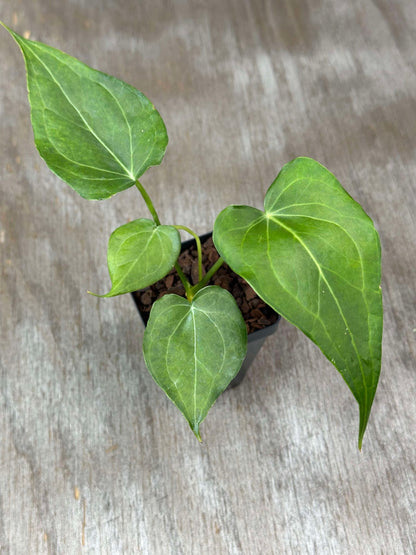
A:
(260, 319)
(312, 254)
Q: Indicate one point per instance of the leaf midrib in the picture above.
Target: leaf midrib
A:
(323, 277)
(75, 162)
(129, 174)
(361, 289)
(195, 361)
(135, 262)
(127, 123)
(213, 376)
(316, 316)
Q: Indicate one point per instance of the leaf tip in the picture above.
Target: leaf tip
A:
(363, 425)
(195, 429)
(6, 27)
(20, 41)
(12, 33)
(95, 294)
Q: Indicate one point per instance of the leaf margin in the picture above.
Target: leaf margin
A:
(129, 179)
(243, 272)
(183, 302)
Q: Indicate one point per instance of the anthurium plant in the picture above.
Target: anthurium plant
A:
(312, 254)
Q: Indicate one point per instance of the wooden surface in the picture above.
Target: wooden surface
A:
(93, 457)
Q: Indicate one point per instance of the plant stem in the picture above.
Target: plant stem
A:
(203, 280)
(148, 202)
(185, 282)
(207, 276)
(155, 217)
(198, 247)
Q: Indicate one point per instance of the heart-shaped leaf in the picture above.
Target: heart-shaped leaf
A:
(139, 254)
(314, 256)
(94, 131)
(194, 349)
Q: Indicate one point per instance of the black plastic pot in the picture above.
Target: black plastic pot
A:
(255, 339)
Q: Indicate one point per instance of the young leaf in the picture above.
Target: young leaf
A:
(140, 253)
(94, 131)
(194, 349)
(314, 256)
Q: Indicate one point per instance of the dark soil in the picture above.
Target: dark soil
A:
(257, 314)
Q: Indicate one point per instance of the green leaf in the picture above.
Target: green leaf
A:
(194, 349)
(94, 131)
(314, 256)
(139, 254)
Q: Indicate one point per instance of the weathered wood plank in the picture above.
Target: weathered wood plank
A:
(92, 452)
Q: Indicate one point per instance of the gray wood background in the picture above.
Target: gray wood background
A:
(93, 457)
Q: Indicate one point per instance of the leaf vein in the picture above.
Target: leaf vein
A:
(78, 111)
(336, 302)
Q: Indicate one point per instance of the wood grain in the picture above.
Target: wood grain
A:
(93, 457)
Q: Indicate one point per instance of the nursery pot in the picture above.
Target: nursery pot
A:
(255, 338)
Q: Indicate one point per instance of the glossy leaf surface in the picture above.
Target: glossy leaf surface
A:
(194, 349)
(139, 254)
(94, 131)
(314, 256)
